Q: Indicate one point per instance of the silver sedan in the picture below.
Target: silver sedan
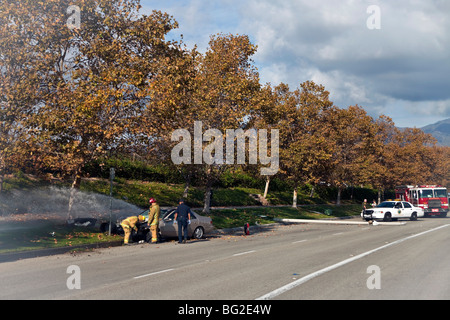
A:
(199, 226)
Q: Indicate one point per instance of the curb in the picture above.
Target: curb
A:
(253, 229)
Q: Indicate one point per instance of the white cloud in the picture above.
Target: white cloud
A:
(402, 68)
(413, 113)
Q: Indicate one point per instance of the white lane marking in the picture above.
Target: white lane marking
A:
(300, 281)
(300, 241)
(336, 234)
(242, 253)
(153, 273)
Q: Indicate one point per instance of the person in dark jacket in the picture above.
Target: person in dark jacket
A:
(183, 218)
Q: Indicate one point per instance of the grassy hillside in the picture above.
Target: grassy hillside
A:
(167, 194)
(137, 192)
(30, 205)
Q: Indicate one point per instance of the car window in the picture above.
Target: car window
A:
(169, 215)
(440, 193)
(193, 215)
(398, 205)
(168, 212)
(406, 205)
(386, 205)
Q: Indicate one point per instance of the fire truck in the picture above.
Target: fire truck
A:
(431, 198)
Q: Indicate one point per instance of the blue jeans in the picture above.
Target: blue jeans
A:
(182, 227)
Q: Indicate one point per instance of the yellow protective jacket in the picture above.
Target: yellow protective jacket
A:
(153, 215)
(130, 222)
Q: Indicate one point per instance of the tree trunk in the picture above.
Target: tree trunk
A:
(186, 186)
(294, 199)
(338, 200)
(266, 189)
(207, 205)
(186, 190)
(209, 181)
(73, 190)
(311, 194)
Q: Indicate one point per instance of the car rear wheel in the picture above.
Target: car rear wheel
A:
(387, 217)
(198, 233)
(148, 237)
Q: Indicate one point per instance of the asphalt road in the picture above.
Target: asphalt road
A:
(303, 261)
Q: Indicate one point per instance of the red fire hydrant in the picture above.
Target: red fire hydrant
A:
(247, 229)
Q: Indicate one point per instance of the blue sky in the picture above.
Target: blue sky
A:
(401, 70)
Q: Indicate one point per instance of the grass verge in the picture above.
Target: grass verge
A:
(237, 217)
(23, 235)
(36, 235)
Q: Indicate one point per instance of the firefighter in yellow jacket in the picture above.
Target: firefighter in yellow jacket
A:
(153, 219)
(129, 224)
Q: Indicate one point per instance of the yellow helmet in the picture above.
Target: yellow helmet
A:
(141, 218)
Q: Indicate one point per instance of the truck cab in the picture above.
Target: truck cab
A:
(433, 199)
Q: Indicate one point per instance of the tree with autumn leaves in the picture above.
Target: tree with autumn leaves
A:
(323, 144)
(75, 93)
(301, 118)
(69, 96)
(217, 89)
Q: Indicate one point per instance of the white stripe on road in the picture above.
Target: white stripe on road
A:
(300, 241)
(167, 270)
(153, 273)
(300, 281)
(242, 253)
